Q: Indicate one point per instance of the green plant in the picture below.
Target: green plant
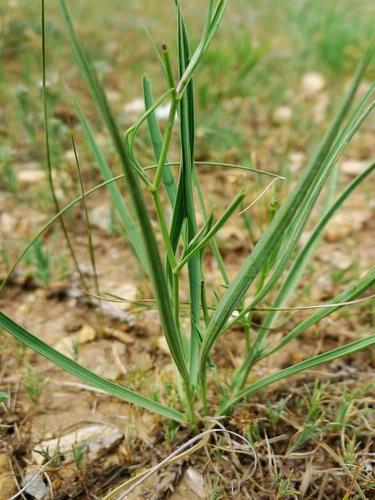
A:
(337, 32)
(34, 386)
(274, 259)
(53, 459)
(3, 397)
(79, 453)
(285, 487)
(41, 262)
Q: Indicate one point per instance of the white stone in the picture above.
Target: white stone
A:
(34, 484)
(297, 159)
(312, 83)
(100, 438)
(100, 217)
(282, 114)
(135, 107)
(30, 175)
(7, 222)
(191, 486)
(353, 167)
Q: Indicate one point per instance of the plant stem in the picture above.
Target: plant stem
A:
(48, 150)
(190, 404)
(164, 229)
(166, 143)
(176, 298)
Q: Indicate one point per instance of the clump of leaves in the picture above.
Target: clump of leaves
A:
(274, 268)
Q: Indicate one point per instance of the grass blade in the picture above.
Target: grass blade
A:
(196, 246)
(348, 295)
(157, 143)
(87, 376)
(155, 267)
(212, 24)
(304, 256)
(48, 149)
(308, 364)
(281, 222)
(187, 135)
(117, 199)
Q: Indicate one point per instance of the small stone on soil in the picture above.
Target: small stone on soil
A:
(191, 486)
(100, 438)
(346, 223)
(30, 174)
(282, 115)
(353, 167)
(100, 217)
(37, 488)
(312, 83)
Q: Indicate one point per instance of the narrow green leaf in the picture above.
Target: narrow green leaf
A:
(187, 135)
(117, 199)
(155, 267)
(3, 397)
(305, 254)
(197, 244)
(308, 364)
(280, 224)
(157, 142)
(348, 295)
(212, 24)
(87, 376)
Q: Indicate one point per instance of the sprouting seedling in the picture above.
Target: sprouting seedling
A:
(274, 267)
(34, 386)
(9, 178)
(26, 116)
(3, 397)
(79, 453)
(40, 259)
(52, 458)
(285, 488)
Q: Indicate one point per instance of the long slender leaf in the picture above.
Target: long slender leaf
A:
(118, 202)
(295, 231)
(196, 246)
(299, 265)
(280, 223)
(187, 134)
(348, 295)
(212, 24)
(157, 142)
(308, 364)
(87, 376)
(154, 267)
(258, 350)
(48, 148)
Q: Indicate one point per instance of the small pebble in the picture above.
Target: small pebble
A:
(312, 83)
